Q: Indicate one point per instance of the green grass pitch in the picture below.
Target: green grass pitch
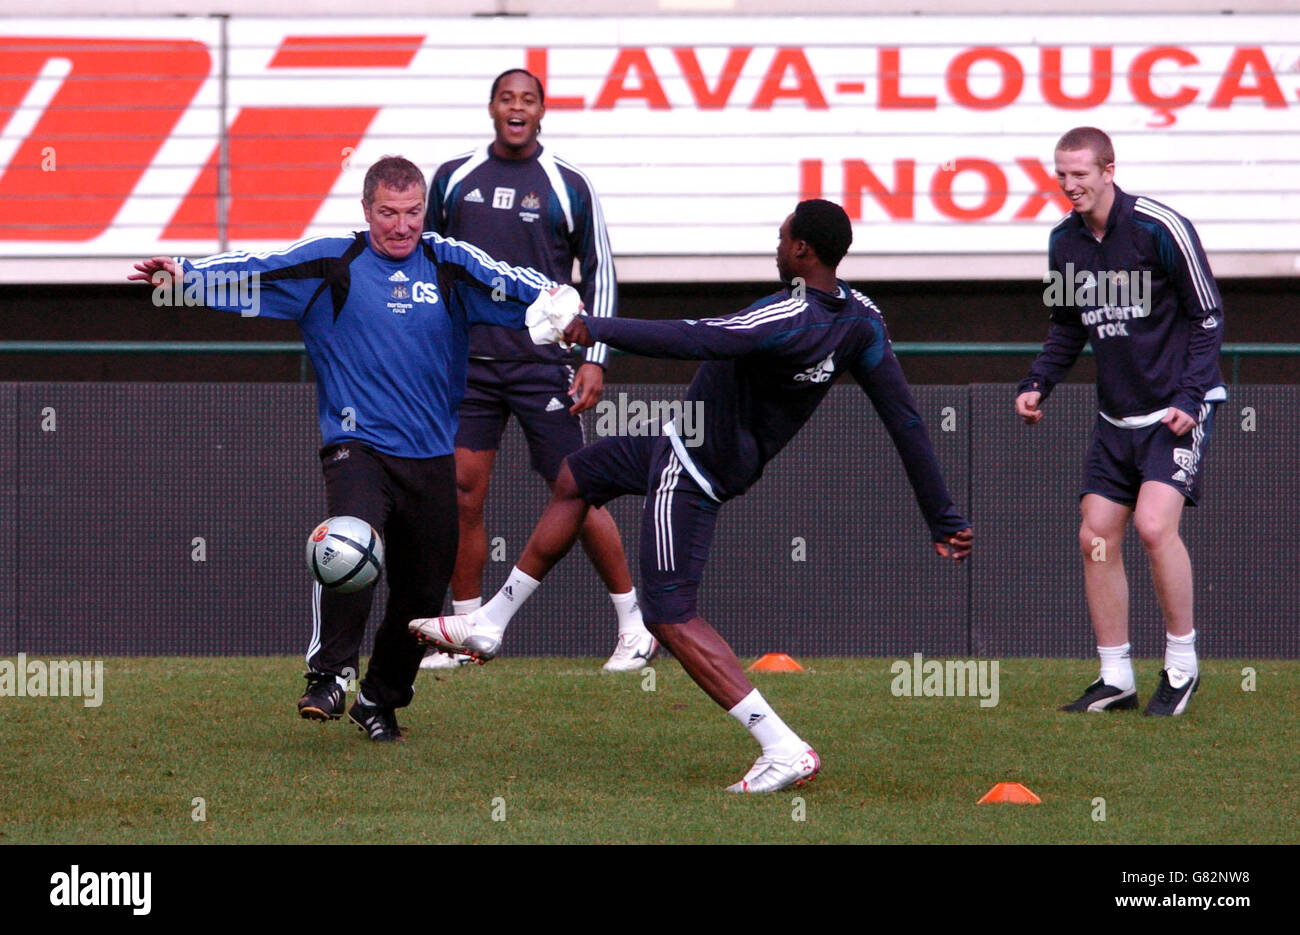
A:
(198, 750)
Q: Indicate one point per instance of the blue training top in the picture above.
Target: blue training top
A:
(388, 338)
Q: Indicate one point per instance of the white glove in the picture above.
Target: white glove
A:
(550, 315)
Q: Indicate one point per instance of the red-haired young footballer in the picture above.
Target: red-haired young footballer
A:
(1129, 275)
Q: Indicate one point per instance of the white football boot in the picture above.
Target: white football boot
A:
(456, 634)
(769, 774)
(634, 651)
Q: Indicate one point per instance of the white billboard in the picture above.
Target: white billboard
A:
(141, 136)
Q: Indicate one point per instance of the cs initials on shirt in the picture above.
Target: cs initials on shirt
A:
(424, 292)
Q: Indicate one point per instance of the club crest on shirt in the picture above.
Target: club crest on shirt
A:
(531, 205)
(400, 291)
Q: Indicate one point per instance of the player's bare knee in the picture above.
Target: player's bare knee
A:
(1096, 547)
(598, 522)
(469, 501)
(1154, 530)
(565, 487)
(473, 471)
(1088, 538)
(471, 490)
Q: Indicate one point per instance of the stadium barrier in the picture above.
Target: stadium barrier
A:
(170, 519)
(1232, 352)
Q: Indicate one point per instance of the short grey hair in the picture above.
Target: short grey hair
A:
(396, 172)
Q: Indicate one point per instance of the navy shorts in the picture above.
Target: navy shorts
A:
(677, 520)
(1120, 460)
(536, 394)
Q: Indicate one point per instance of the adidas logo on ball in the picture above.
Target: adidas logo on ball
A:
(345, 554)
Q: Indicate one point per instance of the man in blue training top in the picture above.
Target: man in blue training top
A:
(766, 369)
(386, 324)
(1128, 274)
(530, 207)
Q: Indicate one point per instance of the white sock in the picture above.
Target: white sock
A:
(766, 726)
(466, 607)
(1180, 658)
(495, 615)
(629, 613)
(1117, 666)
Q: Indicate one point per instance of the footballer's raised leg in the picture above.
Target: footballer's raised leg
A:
(479, 634)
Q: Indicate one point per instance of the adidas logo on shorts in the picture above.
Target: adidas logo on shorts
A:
(554, 405)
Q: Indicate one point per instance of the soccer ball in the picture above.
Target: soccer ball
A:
(345, 554)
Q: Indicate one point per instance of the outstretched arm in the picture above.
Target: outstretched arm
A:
(676, 339)
(277, 284)
(520, 283)
(889, 393)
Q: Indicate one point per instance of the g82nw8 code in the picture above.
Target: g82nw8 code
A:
(1221, 876)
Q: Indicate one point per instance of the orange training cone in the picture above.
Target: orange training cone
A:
(775, 662)
(1010, 792)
